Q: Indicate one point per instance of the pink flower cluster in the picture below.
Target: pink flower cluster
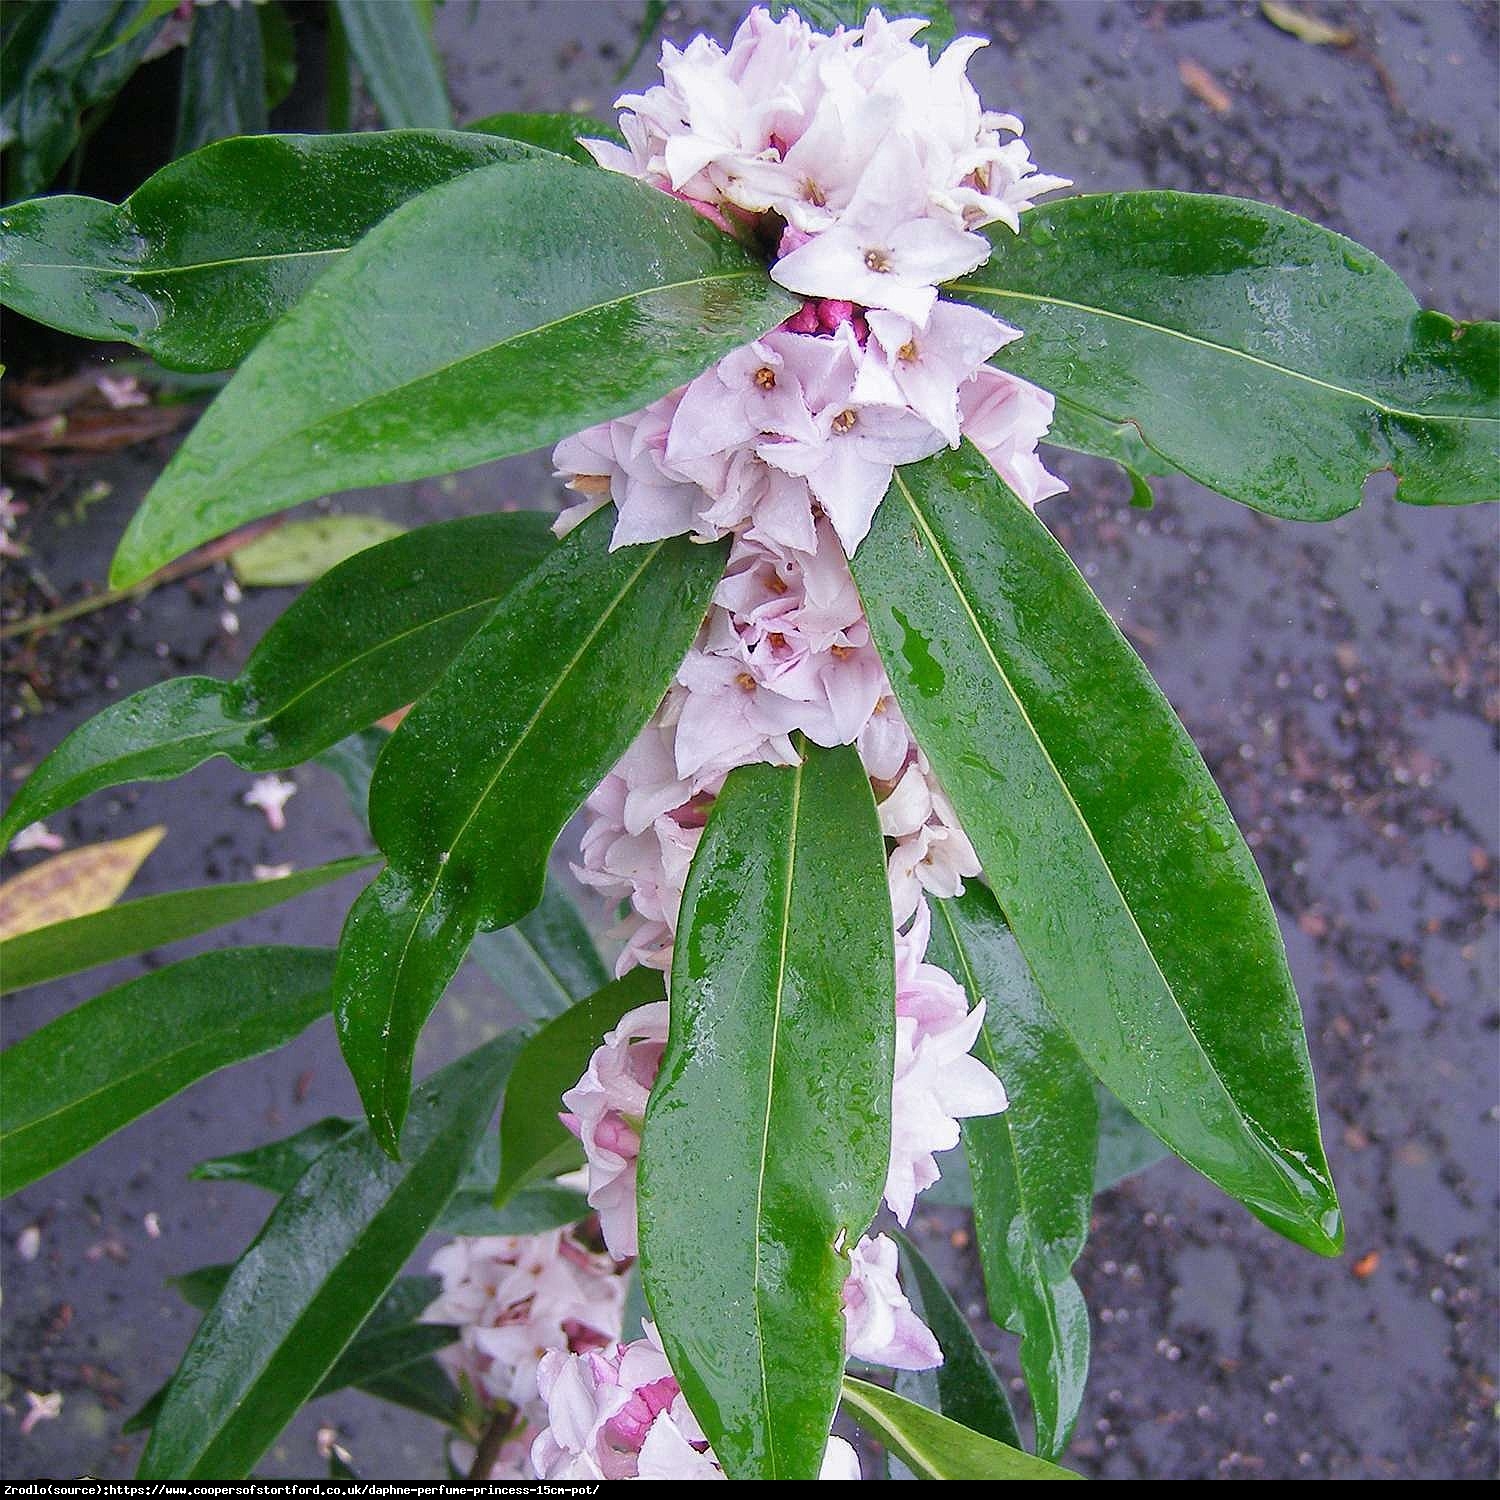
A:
(864, 167)
(618, 1413)
(514, 1297)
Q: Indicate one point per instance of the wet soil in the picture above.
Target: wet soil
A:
(1342, 680)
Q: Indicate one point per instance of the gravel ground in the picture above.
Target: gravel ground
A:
(1342, 681)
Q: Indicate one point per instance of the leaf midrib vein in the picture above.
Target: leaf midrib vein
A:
(962, 595)
(1284, 370)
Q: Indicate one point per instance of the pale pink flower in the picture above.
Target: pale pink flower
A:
(271, 795)
(879, 1324)
(515, 1296)
(607, 1107)
(37, 836)
(1005, 417)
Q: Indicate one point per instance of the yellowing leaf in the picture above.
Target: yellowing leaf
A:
(305, 550)
(73, 884)
(1304, 27)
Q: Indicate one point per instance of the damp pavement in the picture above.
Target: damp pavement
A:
(1340, 679)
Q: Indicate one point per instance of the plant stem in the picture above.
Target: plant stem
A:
(491, 1443)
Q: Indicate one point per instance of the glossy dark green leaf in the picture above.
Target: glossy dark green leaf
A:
(533, 1141)
(208, 252)
(1112, 854)
(828, 15)
(534, 1210)
(396, 60)
(474, 787)
(1081, 431)
(968, 1389)
(1272, 360)
(465, 326)
(1032, 1167)
(934, 1447)
(559, 133)
(1125, 1145)
(152, 922)
(352, 760)
(422, 1387)
(767, 1137)
(545, 961)
(323, 1262)
(389, 1342)
(59, 59)
(81, 1077)
(365, 639)
(277, 1165)
(223, 88)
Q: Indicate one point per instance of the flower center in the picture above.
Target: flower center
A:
(813, 194)
(845, 421)
(765, 378)
(746, 681)
(907, 353)
(877, 260)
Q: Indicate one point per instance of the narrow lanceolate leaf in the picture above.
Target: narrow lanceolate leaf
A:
(934, 1447)
(223, 88)
(278, 1165)
(533, 1141)
(767, 1137)
(492, 315)
(968, 1389)
(1032, 1167)
(1272, 360)
(365, 639)
(208, 252)
(474, 787)
(545, 961)
(324, 1260)
(394, 52)
(559, 133)
(1112, 854)
(73, 884)
(81, 1077)
(69, 947)
(389, 1342)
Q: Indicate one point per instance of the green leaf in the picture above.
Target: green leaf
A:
(1082, 432)
(396, 60)
(277, 1166)
(423, 1387)
(152, 922)
(1270, 359)
(558, 133)
(533, 1141)
(153, 10)
(389, 1342)
(652, 15)
(828, 15)
(467, 804)
(223, 89)
(304, 551)
(208, 252)
(767, 1137)
(534, 1210)
(465, 326)
(60, 58)
(366, 639)
(1125, 1145)
(1032, 1167)
(968, 1389)
(352, 760)
(1112, 855)
(81, 1077)
(324, 1260)
(545, 961)
(935, 1448)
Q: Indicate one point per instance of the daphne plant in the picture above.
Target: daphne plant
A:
(907, 850)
